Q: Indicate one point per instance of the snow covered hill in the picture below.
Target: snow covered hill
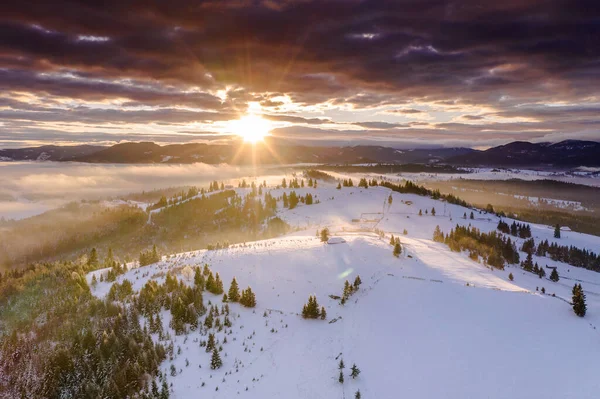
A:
(430, 324)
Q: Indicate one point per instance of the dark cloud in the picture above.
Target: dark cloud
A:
(361, 54)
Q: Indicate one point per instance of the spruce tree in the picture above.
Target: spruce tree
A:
(93, 258)
(323, 313)
(325, 235)
(215, 360)
(392, 241)
(341, 377)
(557, 231)
(397, 250)
(357, 282)
(354, 371)
(357, 395)
(432, 211)
(579, 306)
(341, 364)
(554, 275)
(234, 291)
(511, 277)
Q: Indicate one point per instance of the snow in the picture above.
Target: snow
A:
(432, 323)
(336, 240)
(589, 177)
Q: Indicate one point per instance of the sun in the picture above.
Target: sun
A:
(251, 128)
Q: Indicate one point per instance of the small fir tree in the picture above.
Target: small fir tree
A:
(215, 360)
(397, 250)
(354, 371)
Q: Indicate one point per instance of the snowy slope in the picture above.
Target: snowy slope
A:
(415, 328)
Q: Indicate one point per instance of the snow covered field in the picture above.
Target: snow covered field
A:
(430, 324)
(585, 177)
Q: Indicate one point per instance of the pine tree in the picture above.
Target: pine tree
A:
(325, 235)
(341, 364)
(341, 377)
(323, 313)
(511, 277)
(392, 241)
(397, 250)
(554, 275)
(218, 285)
(579, 306)
(432, 211)
(234, 291)
(339, 186)
(420, 212)
(357, 395)
(357, 282)
(471, 216)
(390, 199)
(557, 231)
(93, 258)
(215, 360)
(311, 309)
(355, 371)
(248, 298)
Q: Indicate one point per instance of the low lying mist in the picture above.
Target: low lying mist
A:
(30, 188)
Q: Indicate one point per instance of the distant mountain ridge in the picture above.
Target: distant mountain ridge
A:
(568, 153)
(48, 153)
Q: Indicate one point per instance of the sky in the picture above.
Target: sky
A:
(404, 73)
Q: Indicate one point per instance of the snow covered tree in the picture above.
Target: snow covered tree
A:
(354, 371)
(215, 360)
(557, 231)
(234, 291)
(554, 275)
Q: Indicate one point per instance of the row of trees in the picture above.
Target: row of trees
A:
(569, 254)
(495, 249)
(293, 199)
(149, 257)
(350, 289)
(521, 230)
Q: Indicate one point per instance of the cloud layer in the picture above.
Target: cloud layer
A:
(468, 72)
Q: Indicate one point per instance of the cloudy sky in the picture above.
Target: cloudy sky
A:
(403, 73)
